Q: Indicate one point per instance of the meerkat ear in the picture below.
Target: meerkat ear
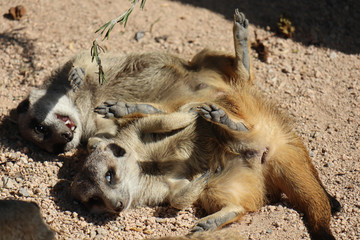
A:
(23, 106)
(36, 94)
(116, 150)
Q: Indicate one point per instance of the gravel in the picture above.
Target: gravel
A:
(318, 86)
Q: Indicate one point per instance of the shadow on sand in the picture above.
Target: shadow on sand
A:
(331, 24)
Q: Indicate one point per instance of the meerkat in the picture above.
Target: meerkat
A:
(59, 116)
(248, 139)
(141, 166)
(22, 220)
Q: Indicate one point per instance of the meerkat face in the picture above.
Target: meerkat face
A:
(50, 121)
(108, 179)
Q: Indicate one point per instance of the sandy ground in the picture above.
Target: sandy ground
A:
(315, 77)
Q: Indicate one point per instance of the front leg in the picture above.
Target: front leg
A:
(151, 118)
(117, 109)
(76, 77)
(215, 114)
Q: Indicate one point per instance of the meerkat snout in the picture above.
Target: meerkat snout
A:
(68, 136)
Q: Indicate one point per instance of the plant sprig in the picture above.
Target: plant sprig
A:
(104, 31)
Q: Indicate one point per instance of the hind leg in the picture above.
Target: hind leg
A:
(226, 215)
(241, 35)
(236, 190)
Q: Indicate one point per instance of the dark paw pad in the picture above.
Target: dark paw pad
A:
(213, 113)
(76, 78)
(214, 221)
(202, 226)
(240, 25)
(240, 18)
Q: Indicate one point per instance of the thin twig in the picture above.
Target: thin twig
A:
(104, 31)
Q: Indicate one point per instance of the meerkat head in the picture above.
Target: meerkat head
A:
(49, 120)
(108, 178)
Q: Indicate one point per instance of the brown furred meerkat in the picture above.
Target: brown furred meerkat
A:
(243, 139)
(173, 158)
(59, 115)
(22, 220)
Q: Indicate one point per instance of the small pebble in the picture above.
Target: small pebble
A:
(24, 192)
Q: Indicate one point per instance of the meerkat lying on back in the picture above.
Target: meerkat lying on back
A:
(124, 171)
(22, 220)
(57, 118)
(249, 146)
(249, 124)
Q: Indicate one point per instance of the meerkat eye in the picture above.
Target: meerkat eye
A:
(109, 175)
(39, 129)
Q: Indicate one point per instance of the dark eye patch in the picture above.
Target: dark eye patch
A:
(39, 128)
(116, 150)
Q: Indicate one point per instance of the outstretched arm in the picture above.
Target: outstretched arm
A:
(153, 120)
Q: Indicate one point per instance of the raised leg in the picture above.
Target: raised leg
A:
(241, 34)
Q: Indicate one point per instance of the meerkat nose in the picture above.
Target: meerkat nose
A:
(68, 136)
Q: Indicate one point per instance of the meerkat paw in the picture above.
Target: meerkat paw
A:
(240, 26)
(76, 77)
(215, 114)
(114, 109)
(214, 221)
(241, 35)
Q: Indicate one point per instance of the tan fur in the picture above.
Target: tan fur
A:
(141, 77)
(199, 145)
(22, 220)
(167, 169)
(193, 147)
